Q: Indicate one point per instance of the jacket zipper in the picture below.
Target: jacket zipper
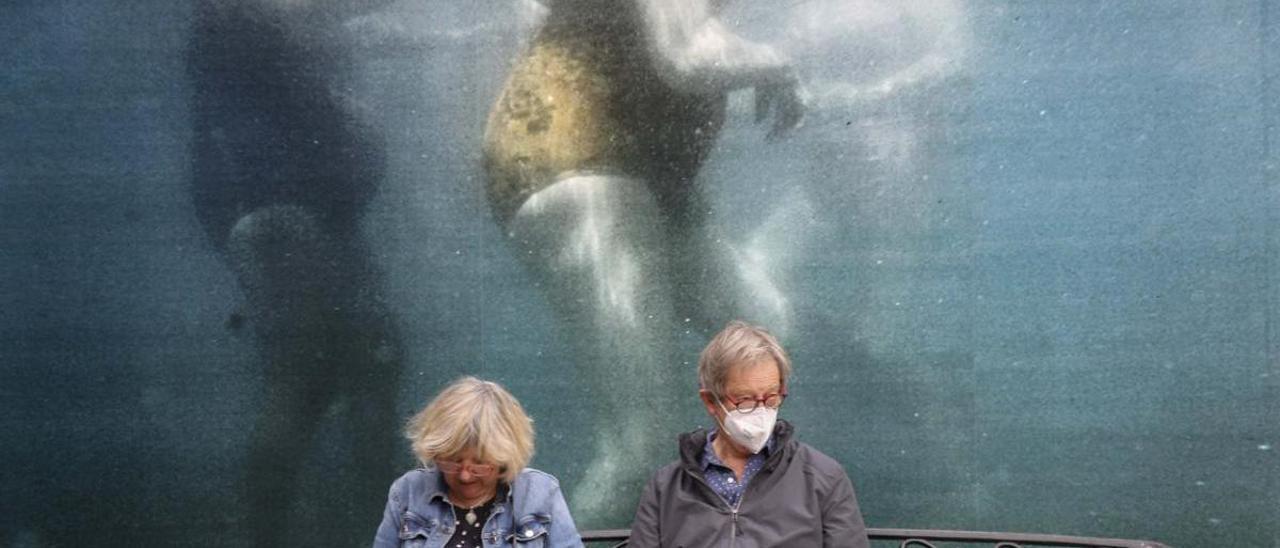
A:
(733, 536)
(733, 510)
(733, 528)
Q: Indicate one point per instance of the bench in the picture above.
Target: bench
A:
(925, 538)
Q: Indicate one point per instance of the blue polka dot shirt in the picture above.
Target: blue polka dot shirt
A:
(721, 477)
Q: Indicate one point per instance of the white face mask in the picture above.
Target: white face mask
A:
(750, 430)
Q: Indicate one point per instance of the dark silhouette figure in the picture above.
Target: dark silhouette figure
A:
(281, 173)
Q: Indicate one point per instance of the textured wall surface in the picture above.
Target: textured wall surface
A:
(1028, 250)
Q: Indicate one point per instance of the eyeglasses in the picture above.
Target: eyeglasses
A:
(747, 405)
(478, 470)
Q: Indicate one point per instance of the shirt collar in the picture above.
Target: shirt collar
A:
(709, 456)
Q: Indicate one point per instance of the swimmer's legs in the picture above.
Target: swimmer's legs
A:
(282, 436)
(321, 331)
(595, 244)
(719, 278)
(280, 257)
(284, 263)
(372, 391)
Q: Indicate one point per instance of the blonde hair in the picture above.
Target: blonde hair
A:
(739, 344)
(474, 414)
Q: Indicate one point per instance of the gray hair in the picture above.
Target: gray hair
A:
(739, 344)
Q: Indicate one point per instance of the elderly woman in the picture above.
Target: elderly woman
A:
(474, 440)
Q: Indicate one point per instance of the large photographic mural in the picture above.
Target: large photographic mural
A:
(1023, 255)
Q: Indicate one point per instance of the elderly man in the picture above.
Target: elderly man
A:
(748, 480)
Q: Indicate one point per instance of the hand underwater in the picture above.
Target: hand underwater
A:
(785, 100)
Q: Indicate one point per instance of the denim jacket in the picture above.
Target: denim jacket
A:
(533, 515)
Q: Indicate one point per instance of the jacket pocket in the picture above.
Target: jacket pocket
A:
(415, 529)
(531, 531)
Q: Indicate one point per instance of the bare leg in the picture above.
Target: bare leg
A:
(718, 279)
(312, 300)
(595, 244)
(372, 389)
(285, 269)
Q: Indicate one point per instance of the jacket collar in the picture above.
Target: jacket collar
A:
(692, 445)
(437, 489)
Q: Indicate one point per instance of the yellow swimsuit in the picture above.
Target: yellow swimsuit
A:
(584, 98)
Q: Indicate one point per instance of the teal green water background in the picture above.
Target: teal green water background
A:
(1030, 249)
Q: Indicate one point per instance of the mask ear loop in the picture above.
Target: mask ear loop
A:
(720, 423)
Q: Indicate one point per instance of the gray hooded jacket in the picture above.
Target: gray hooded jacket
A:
(800, 498)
